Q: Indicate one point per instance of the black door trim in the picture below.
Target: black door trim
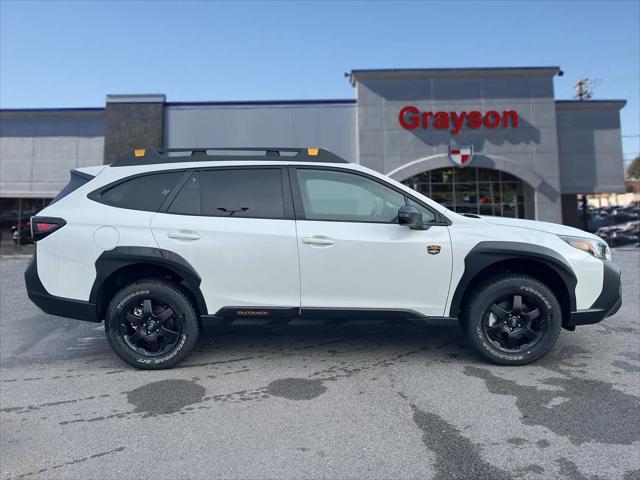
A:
(311, 315)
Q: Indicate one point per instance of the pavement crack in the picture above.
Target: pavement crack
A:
(70, 462)
(218, 362)
(322, 344)
(30, 408)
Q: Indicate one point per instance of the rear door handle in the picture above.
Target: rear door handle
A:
(318, 240)
(183, 235)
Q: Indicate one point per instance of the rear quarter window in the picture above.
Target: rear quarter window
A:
(144, 192)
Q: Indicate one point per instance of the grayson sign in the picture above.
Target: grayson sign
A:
(411, 117)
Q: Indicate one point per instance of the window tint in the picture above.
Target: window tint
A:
(253, 193)
(347, 197)
(187, 202)
(142, 193)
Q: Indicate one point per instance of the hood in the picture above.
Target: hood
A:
(548, 227)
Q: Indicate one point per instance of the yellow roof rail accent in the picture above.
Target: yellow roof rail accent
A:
(139, 152)
(312, 152)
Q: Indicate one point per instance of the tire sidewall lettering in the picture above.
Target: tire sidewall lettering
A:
(493, 351)
(538, 294)
(166, 358)
(123, 303)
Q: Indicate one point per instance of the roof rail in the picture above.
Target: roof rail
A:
(149, 156)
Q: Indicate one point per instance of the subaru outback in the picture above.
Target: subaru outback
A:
(163, 242)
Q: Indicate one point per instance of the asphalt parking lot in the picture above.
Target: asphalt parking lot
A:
(344, 402)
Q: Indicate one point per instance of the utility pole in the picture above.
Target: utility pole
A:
(582, 89)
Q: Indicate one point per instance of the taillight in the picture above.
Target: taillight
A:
(43, 226)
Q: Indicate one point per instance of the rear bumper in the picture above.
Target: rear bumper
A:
(62, 307)
(607, 304)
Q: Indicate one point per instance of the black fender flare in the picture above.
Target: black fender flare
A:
(113, 260)
(488, 253)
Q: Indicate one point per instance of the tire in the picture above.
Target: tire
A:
(152, 325)
(506, 331)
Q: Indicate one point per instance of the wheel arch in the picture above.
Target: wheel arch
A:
(488, 259)
(125, 265)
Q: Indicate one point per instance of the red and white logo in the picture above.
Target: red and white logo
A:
(461, 156)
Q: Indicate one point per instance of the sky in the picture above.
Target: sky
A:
(71, 54)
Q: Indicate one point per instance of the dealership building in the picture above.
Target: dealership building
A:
(491, 141)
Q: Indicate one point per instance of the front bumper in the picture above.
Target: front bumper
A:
(607, 304)
(62, 307)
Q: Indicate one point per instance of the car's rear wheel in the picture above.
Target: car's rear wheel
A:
(151, 324)
(513, 319)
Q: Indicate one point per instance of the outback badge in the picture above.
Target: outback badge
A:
(433, 249)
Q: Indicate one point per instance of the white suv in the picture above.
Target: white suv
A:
(160, 243)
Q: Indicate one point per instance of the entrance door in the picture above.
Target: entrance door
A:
(353, 253)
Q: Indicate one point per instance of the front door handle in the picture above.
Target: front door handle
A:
(183, 235)
(318, 240)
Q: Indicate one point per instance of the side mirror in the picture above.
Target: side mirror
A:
(411, 217)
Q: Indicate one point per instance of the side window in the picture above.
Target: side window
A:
(248, 193)
(146, 192)
(252, 193)
(427, 215)
(187, 202)
(347, 197)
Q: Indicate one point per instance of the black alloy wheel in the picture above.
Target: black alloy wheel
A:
(151, 328)
(515, 323)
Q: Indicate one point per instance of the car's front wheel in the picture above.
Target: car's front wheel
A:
(513, 319)
(152, 325)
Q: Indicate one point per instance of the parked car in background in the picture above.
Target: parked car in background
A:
(623, 234)
(626, 214)
(10, 217)
(21, 233)
(596, 218)
(600, 217)
(14, 225)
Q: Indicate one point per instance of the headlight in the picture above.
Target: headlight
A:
(597, 248)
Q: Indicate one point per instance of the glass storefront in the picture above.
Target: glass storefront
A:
(473, 190)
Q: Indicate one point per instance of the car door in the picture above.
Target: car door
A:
(354, 255)
(235, 226)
